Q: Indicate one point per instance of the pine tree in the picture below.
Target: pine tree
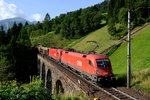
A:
(46, 24)
(2, 35)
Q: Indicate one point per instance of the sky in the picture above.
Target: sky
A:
(35, 10)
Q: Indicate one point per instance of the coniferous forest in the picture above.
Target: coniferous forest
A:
(17, 52)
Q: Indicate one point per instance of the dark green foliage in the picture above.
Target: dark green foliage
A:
(118, 15)
(79, 23)
(33, 91)
(25, 57)
(17, 56)
(6, 72)
(37, 33)
(47, 24)
(47, 18)
(2, 35)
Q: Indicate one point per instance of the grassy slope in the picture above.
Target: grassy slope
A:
(101, 36)
(140, 59)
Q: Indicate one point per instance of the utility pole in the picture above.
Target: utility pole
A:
(129, 52)
(129, 45)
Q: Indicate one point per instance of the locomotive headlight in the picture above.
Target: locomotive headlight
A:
(97, 73)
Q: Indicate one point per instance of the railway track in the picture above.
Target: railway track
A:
(117, 94)
(93, 90)
(111, 91)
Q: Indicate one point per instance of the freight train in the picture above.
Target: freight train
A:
(93, 67)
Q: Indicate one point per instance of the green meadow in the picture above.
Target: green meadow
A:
(140, 60)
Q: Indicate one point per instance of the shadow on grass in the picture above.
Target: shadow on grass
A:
(121, 80)
(135, 83)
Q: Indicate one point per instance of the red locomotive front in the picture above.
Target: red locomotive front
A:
(103, 68)
(91, 66)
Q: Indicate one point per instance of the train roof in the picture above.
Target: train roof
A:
(81, 54)
(85, 55)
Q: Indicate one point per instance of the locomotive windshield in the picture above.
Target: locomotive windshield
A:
(103, 63)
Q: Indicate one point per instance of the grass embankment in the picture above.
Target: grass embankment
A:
(140, 60)
(101, 36)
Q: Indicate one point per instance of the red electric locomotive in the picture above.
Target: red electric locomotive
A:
(92, 66)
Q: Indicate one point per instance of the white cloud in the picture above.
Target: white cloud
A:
(37, 17)
(9, 10)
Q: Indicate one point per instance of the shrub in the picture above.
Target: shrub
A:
(33, 91)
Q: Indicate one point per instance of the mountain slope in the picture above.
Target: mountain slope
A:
(8, 23)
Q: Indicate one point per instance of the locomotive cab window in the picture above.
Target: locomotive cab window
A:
(90, 63)
(103, 63)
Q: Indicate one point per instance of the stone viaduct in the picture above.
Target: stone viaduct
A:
(54, 79)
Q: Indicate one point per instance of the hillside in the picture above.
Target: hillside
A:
(101, 36)
(140, 59)
(140, 54)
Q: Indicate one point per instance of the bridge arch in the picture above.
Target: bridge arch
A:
(38, 66)
(49, 80)
(43, 74)
(59, 87)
